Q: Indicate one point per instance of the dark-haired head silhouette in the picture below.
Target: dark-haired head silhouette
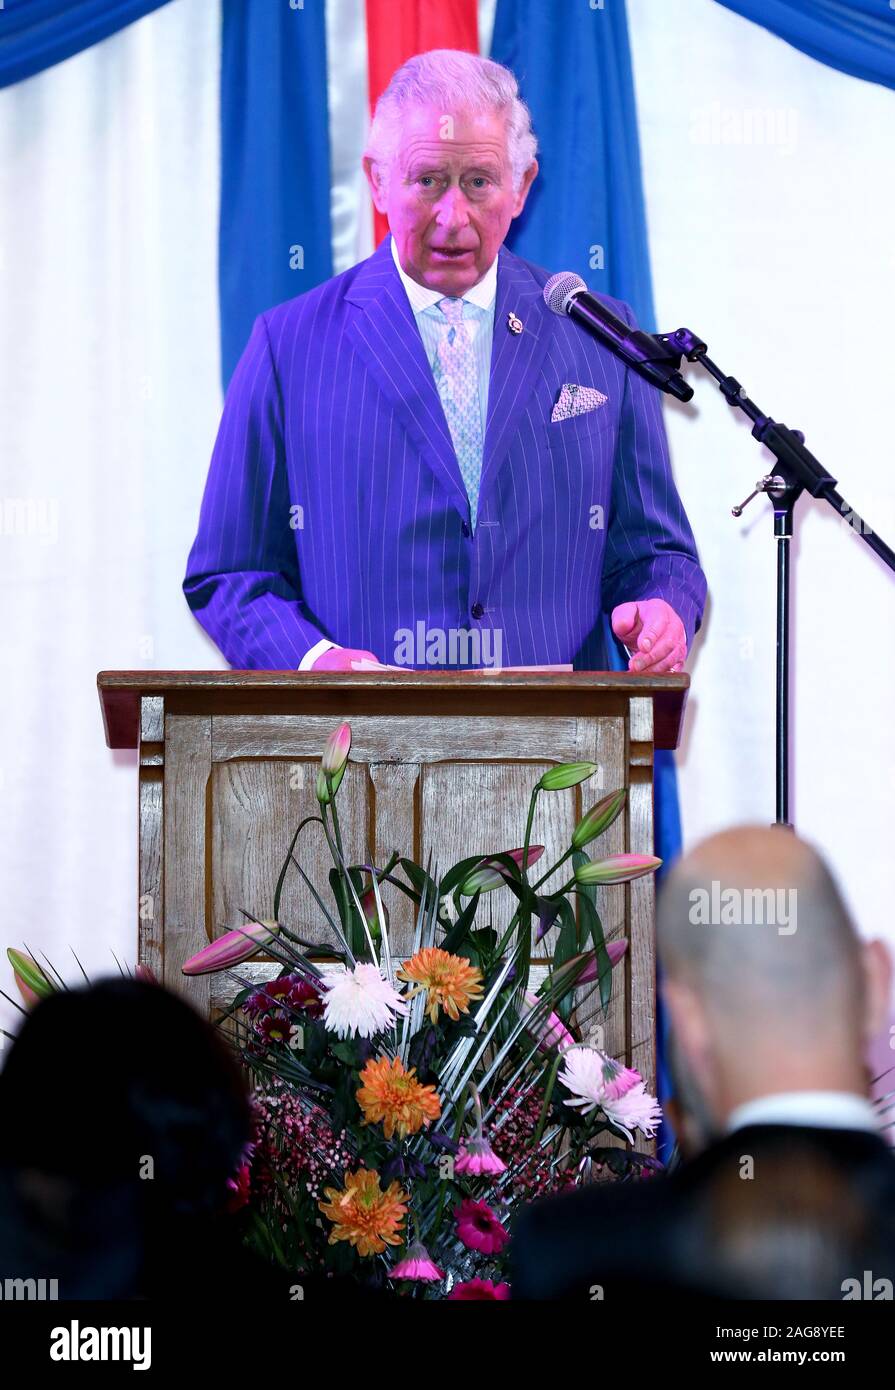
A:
(122, 1116)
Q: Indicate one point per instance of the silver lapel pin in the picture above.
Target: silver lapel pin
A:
(514, 323)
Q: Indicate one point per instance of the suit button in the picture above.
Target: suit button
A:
(466, 530)
(477, 610)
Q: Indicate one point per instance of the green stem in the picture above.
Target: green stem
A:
(335, 815)
(548, 1095)
(531, 815)
(568, 854)
(338, 861)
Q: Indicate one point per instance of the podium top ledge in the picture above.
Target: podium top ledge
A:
(343, 693)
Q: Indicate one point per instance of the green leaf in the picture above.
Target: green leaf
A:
(457, 934)
(485, 938)
(528, 900)
(352, 927)
(587, 897)
(566, 947)
(591, 919)
(418, 877)
(461, 869)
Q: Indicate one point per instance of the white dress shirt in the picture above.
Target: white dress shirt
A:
(482, 296)
(817, 1109)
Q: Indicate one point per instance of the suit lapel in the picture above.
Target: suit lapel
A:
(384, 332)
(516, 359)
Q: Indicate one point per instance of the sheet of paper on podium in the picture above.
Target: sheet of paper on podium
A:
(365, 665)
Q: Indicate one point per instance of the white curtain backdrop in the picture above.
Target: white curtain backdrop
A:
(109, 400)
(770, 211)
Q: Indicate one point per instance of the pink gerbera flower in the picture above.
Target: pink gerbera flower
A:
(477, 1157)
(478, 1289)
(478, 1228)
(476, 1154)
(417, 1264)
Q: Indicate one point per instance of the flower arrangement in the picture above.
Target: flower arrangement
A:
(407, 1105)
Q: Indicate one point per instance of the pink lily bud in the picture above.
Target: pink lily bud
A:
(334, 762)
(617, 868)
(231, 948)
(598, 818)
(549, 1029)
(490, 873)
(29, 998)
(32, 983)
(371, 913)
(336, 750)
(615, 950)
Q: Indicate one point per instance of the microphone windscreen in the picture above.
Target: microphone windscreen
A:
(559, 288)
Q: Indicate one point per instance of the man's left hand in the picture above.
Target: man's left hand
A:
(654, 633)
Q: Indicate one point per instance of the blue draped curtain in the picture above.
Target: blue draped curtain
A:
(855, 36)
(275, 230)
(35, 34)
(585, 211)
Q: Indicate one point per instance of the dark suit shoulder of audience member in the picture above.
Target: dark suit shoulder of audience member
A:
(776, 1212)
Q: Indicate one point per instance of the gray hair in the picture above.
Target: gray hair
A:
(452, 80)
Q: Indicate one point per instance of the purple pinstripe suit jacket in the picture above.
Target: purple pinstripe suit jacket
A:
(334, 505)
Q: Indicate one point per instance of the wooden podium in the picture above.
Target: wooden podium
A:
(440, 761)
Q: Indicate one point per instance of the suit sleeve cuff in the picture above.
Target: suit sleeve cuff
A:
(311, 656)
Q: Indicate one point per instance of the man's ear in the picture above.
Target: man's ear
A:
(528, 179)
(688, 1022)
(877, 963)
(374, 179)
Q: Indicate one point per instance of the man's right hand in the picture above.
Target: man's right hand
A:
(340, 659)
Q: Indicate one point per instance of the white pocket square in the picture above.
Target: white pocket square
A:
(577, 400)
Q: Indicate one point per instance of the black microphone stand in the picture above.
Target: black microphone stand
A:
(797, 471)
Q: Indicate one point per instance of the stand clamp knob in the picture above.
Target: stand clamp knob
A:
(773, 485)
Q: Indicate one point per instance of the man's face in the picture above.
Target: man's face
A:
(449, 198)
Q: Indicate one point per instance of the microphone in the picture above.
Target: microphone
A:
(566, 293)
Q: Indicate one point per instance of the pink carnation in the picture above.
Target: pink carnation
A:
(636, 1109)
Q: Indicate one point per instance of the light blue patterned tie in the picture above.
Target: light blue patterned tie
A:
(458, 386)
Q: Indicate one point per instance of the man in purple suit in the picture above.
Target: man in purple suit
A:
(418, 462)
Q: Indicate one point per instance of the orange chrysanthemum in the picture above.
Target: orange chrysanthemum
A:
(394, 1096)
(365, 1215)
(450, 981)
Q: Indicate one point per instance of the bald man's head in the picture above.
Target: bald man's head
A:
(753, 921)
(767, 985)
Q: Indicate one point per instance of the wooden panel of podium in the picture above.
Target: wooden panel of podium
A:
(441, 763)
